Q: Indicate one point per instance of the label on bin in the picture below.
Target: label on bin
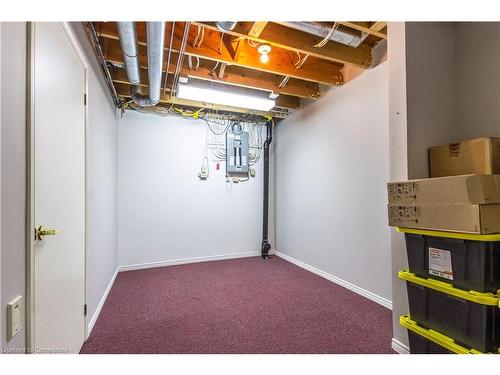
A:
(440, 263)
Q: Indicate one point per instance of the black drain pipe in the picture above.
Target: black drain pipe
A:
(266, 246)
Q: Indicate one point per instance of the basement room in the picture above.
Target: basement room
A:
(173, 183)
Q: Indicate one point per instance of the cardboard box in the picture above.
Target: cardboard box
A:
(464, 218)
(465, 189)
(474, 156)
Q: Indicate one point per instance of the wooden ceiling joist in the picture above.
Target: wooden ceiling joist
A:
(298, 41)
(366, 27)
(257, 29)
(378, 26)
(280, 63)
(232, 75)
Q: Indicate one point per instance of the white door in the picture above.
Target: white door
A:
(59, 84)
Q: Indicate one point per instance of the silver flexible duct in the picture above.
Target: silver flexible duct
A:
(341, 35)
(130, 49)
(225, 25)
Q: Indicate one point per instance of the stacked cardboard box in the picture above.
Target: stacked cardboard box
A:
(448, 269)
(474, 156)
(466, 200)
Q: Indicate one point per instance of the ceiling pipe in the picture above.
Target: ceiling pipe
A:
(341, 34)
(226, 25)
(155, 44)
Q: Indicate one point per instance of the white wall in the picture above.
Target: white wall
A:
(430, 85)
(165, 212)
(13, 169)
(477, 54)
(421, 114)
(102, 181)
(332, 166)
(398, 147)
(102, 176)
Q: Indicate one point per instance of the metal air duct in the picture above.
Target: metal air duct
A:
(341, 34)
(226, 25)
(155, 44)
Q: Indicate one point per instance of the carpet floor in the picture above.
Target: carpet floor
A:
(237, 306)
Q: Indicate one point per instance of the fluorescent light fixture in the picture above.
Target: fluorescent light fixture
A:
(224, 97)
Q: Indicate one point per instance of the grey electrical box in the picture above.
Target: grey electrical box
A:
(237, 151)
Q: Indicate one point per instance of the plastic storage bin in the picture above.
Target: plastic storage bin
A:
(468, 261)
(472, 319)
(427, 341)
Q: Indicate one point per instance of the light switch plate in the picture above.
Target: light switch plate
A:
(14, 317)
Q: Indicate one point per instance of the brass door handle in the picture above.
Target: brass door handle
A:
(42, 231)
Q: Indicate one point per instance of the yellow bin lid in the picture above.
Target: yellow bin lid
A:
(435, 337)
(460, 236)
(489, 299)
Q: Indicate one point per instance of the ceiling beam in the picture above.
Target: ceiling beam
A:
(233, 75)
(257, 29)
(281, 63)
(378, 26)
(365, 27)
(124, 92)
(297, 41)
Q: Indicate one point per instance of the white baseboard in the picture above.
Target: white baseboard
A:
(91, 324)
(399, 347)
(356, 289)
(175, 262)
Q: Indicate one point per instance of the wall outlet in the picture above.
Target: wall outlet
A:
(14, 317)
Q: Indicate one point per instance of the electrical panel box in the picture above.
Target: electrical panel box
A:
(237, 151)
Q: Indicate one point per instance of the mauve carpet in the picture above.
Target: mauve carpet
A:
(237, 306)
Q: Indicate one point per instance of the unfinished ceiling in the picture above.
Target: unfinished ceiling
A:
(302, 55)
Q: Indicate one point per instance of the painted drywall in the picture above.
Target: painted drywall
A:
(2, 327)
(477, 56)
(101, 169)
(430, 86)
(102, 180)
(165, 212)
(13, 167)
(445, 76)
(332, 166)
(398, 164)
(421, 115)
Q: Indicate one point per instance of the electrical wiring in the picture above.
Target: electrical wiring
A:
(217, 125)
(301, 62)
(253, 43)
(190, 62)
(180, 58)
(328, 36)
(220, 45)
(284, 82)
(197, 35)
(168, 58)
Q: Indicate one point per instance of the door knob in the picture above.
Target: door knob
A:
(42, 232)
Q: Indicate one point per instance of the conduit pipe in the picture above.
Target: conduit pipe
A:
(155, 44)
(341, 35)
(265, 245)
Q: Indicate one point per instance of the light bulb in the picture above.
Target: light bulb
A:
(264, 50)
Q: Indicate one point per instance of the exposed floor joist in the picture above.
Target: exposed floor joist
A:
(295, 68)
(366, 28)
(232, 75)
(281, 63)
(298, 41)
